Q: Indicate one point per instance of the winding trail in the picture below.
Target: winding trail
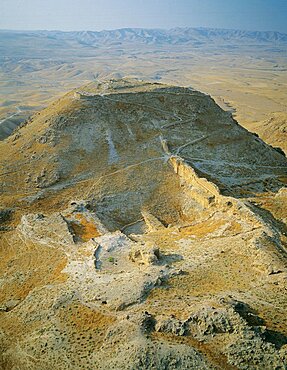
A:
(233, 164)
(113, 156)
(11, 116)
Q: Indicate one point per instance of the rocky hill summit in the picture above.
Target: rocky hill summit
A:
(141, 228)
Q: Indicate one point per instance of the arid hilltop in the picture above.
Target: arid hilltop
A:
(141, 228)
(245, 72)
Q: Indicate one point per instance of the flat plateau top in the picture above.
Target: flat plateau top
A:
(128, 85)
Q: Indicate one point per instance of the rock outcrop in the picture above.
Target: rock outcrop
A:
(140, 231)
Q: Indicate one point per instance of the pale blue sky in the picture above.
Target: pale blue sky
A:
(110, 14)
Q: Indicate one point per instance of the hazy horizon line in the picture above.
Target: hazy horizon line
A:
(140, 28)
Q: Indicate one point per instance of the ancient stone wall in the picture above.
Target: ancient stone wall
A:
(203, 191)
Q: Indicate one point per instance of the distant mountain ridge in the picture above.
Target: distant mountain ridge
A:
(172, 36)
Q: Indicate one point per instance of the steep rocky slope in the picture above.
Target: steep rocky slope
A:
(141, 227)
